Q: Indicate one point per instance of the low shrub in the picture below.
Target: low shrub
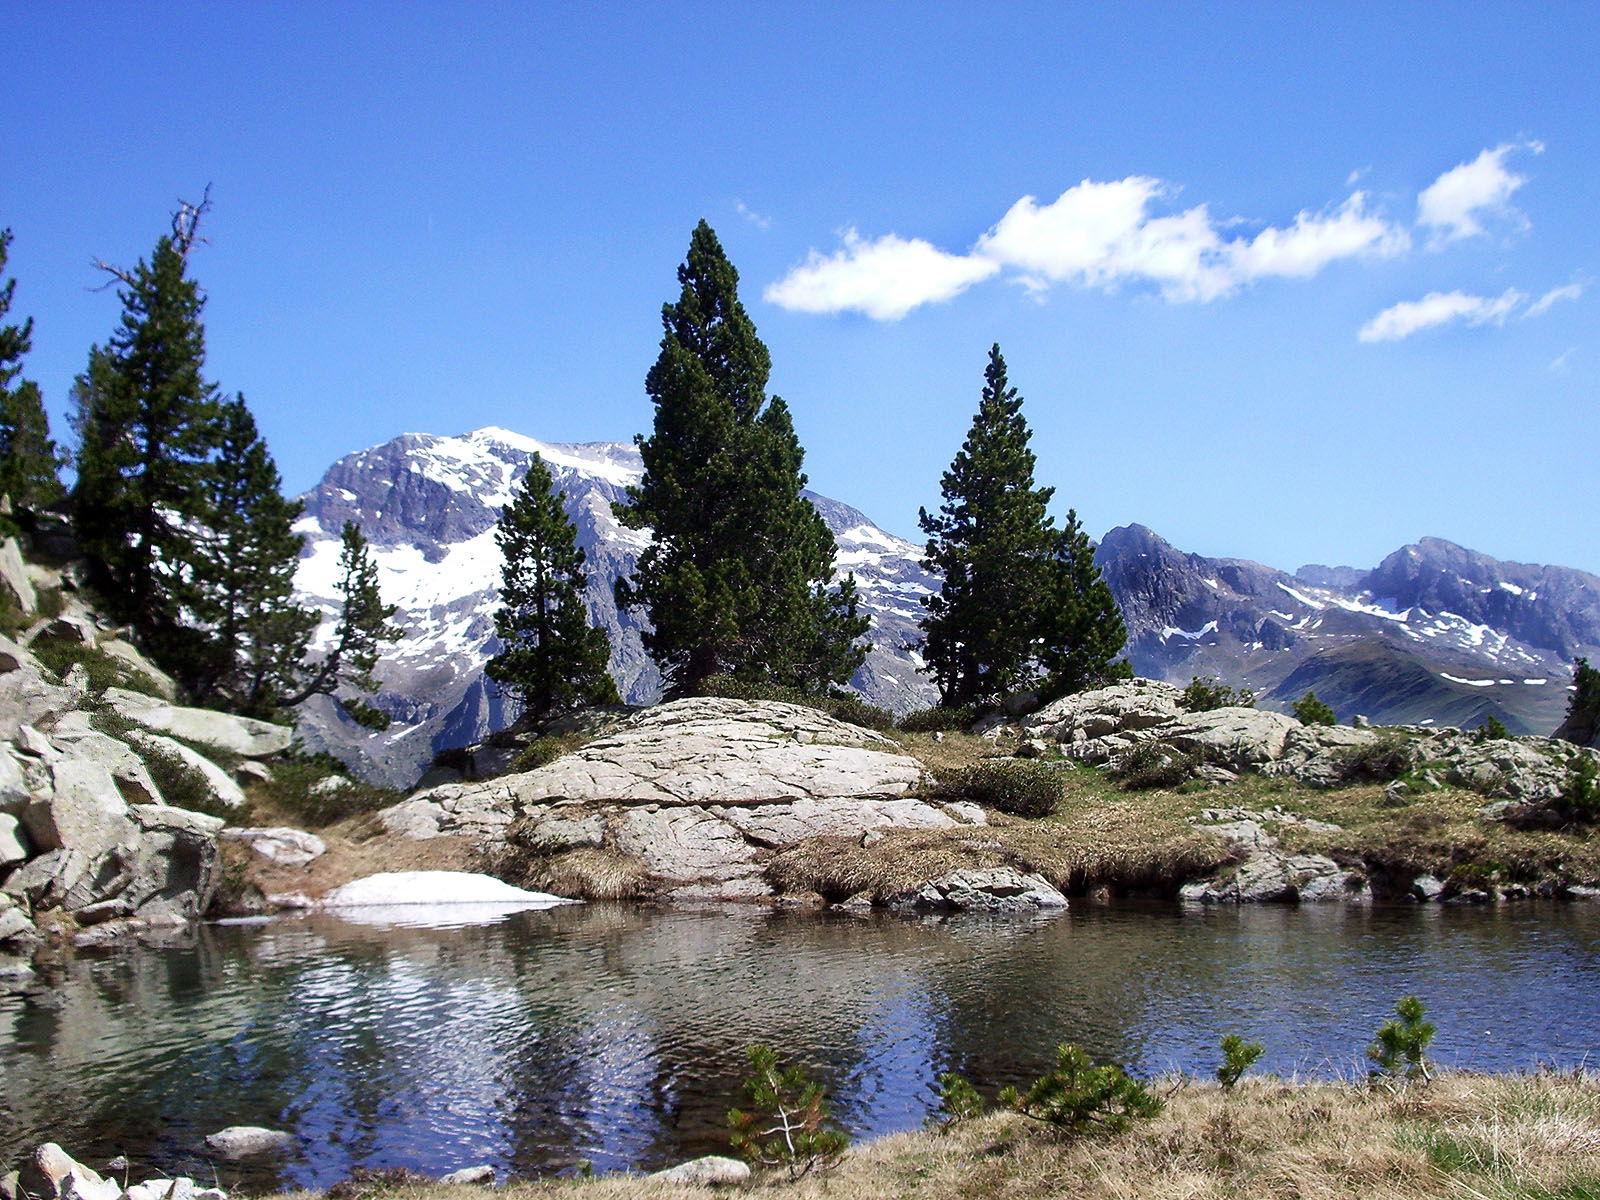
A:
(1308, 710)
(1080, 1097)
(1155, 765)
(300, 788)
(60, 656)
(1492, 730)
(543, 751)
(1384, 758)
(787, 1123)
(584, 873)
(1398, 1050)
(958, 1101)
(1238, 1056)
(1204, 693)
(1579, 801)
(939, 719)
(1020, 787)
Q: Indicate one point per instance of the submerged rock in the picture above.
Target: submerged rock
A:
(248, 1141)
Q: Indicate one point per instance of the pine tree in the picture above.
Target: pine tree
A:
(1022, 604)
(993, 544)
(358, 637)
(1082, 632)
(244, 576)
(551, 657)
(147, 423)
(736, 578)
(29, 462)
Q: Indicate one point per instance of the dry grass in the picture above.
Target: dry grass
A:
(1441, 833)
(1099, 837)
(589, 872)
(1462, 1137)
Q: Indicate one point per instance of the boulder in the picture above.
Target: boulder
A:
(14, 658)
(716, 751)
(241, 735)
(84, 811)
(248, 1141)
(127, 654)
(126, 767)
(74, 628)
(13, 842)
(15, 790)
(1122, 708)
(44, 882)
(15, 924)
(714, 1170)
(1236, 738)
(483, 1175)
(14, 576)
(50, 1173)
(223, 790)
(172, 866)
(27, 697)
(981, 889)
(778, 825)
(280, 844)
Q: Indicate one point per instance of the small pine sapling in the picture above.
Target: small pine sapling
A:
(1308, 710)
(1205, 694)
(958, 1101)
(787, 1123)
(1238, 1056)
(1492, 730)
(1398, 1050)
(1079, 1097)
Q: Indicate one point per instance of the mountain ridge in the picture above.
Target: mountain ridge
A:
(1463, 629)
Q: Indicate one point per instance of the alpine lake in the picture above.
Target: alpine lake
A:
(600, 1037)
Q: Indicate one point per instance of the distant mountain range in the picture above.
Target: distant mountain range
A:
(1434, 633)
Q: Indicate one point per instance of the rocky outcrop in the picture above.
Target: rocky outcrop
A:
(1265, 873)
(84, 827)
(50, 1173)
(1101, 727)
(698, 792)
(981, 889)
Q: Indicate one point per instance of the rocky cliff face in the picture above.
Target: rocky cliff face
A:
(1434, 633)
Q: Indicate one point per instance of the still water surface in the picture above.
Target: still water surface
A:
(615, 1036)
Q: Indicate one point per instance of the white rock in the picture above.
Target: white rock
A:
(221, 785)
(480, 1174)
(84, 811)
(280, 844)
(12, 847)
(713, 1170)
(14, 576)
(242, 735)
(128, 655)
(248, 1141)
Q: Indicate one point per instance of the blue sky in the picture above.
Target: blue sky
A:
(1285, 282)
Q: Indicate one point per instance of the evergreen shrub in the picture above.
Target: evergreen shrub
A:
(1204, 694)
(1020, 787)
(1238, 1056)
(1080, 1097)
(1398, 1050)
(1155, 765)
(787, 1122)
(1308, 710)
(939, 719)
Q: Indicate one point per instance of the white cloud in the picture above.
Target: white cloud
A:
(1570, 292)
(1454, 203)
(1439, 308)
(1315, 240)
(749, 214)
(885, 278)
(1562, 362)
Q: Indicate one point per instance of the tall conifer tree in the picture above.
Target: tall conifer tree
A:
(244, 576)
(29, 462)
(1018, 598)
(551, 657)
(148, 423)
(737, 578)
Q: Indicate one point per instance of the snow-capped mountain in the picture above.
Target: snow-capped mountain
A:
(1434, 633)
(428, 507)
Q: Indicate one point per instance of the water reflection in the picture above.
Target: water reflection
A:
(616, 1036)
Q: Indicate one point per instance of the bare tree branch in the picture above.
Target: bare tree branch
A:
(185, 234)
